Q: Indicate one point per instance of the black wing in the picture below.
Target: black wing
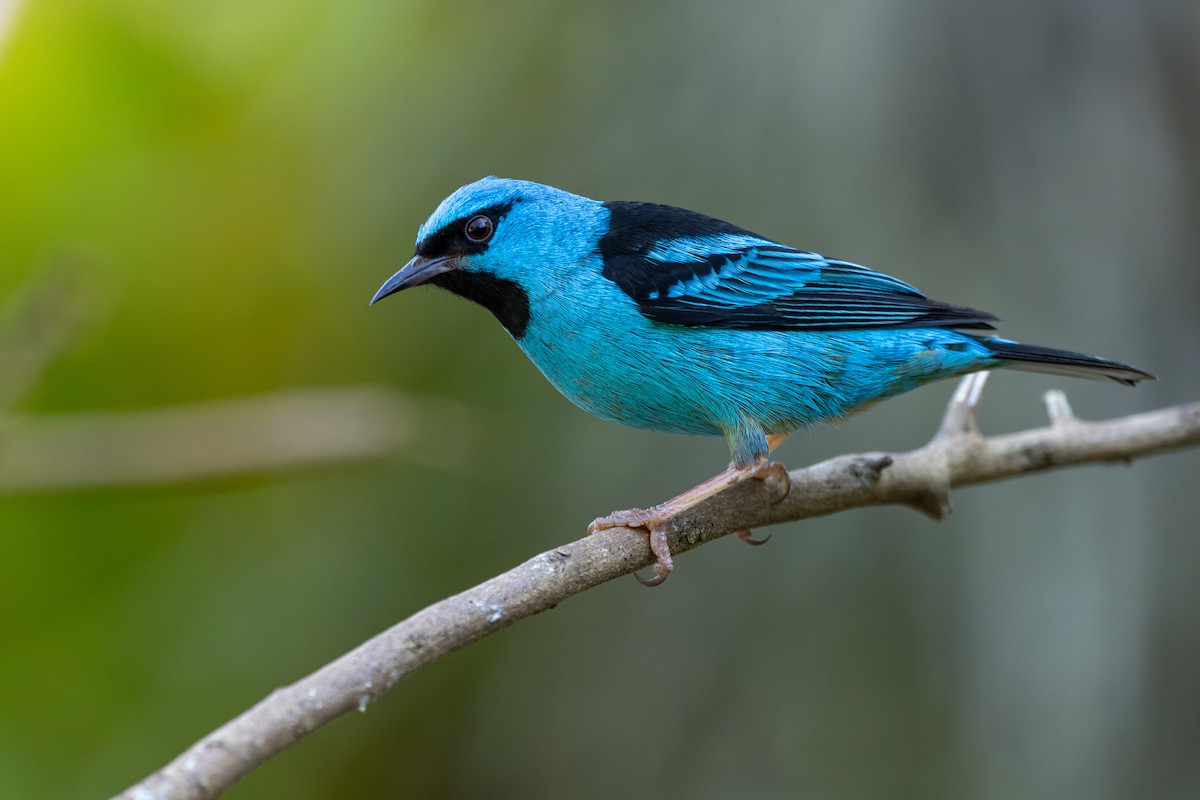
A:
(689, 269)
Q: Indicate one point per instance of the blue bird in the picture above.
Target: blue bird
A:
(667, 319)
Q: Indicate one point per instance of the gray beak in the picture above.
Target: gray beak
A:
(417, 271)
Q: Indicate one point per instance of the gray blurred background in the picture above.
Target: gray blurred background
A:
(232, 181)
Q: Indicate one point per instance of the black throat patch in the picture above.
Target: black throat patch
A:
(504, 298)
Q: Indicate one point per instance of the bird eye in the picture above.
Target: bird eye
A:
(479, 228)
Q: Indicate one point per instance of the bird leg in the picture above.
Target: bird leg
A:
(773, 441)
(654, 519)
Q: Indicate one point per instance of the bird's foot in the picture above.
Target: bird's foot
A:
(629, 518)
(662, 557)
(652, 520)
(775, 478)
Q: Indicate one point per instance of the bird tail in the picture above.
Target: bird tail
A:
(1033, 358)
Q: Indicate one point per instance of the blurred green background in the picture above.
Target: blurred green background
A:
(231, 181)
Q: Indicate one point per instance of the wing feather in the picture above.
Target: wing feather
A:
(685, 268)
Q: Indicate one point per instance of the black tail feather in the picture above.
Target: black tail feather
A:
(1034, 358)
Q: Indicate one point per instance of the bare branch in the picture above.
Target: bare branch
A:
(300, 429)
(293, 430)
(958, 455)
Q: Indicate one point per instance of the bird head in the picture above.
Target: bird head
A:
(497, 241)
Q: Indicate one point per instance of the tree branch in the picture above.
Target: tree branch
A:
(958, 455)
(285, 431)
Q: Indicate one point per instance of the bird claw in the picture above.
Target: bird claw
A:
(629, 518)
(651, 520)
(777, 483)
(775, 478)
(747, 536)
(662, 554)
